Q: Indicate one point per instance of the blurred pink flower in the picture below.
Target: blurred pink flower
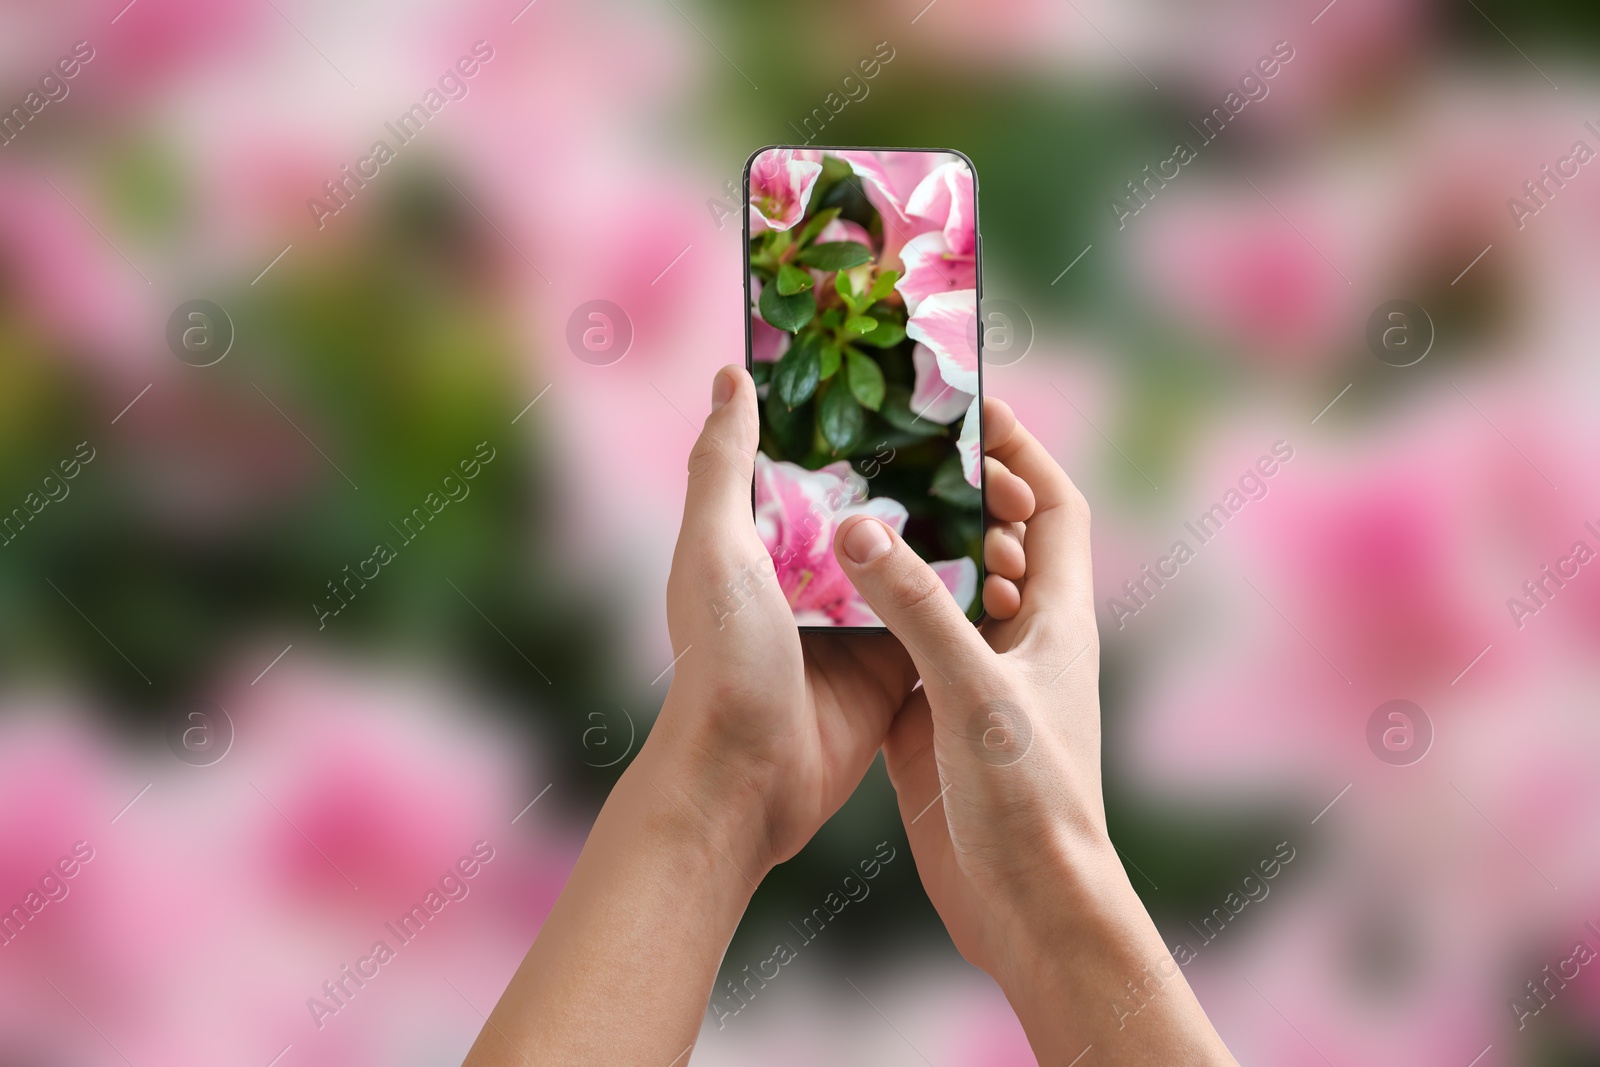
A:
(1224, 720)
(386, 776)
(63, 273)
(368, 768)
(56, 787)
(1390, 562)
(1229, 262)
(797, 512)
(142, 922)
(780, 188)
(1372, 959)
(1371, 43)
(165, 41)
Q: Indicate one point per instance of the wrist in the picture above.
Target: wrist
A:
(701, 805)
(1078, 908)
(1086, 940)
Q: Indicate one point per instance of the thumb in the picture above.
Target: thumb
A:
(721, 464)
(910, 599)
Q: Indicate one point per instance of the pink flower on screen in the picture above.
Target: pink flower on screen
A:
(780, 187)
(940, 290)
(845, 230)
(797, 512)
(890, 179)
(943, 259)
(931, 268)
(947, 323)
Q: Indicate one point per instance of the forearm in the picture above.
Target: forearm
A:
(1089, 968)
(623, 968)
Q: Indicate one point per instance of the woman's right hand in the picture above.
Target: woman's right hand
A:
(996, 763)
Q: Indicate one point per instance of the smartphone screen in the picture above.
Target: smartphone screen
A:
(863, 281)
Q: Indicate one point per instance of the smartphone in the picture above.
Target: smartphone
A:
(863, 277)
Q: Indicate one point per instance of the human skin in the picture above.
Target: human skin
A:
(764, 734)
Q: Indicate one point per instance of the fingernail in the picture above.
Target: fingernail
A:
(721, 390)
(866, 541)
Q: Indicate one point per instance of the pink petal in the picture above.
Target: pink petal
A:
(960, 576)
(890, 512)
(797, 512)
(845, 230)
(970, 447)
(944, 198)
(948, 324)
(889, 178)
(780, 187)
(767, 343)
(930, 269)
(933, 398)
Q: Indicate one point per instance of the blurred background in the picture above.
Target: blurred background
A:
(237, 737)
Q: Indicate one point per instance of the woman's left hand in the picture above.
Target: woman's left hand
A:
(764, 733)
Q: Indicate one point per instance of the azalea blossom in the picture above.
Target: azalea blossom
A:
(944, 259)
(797, 512)
(948, 324)
(931, 268)
(780, 188)
(844, 230)
(890, 178)
(940, 289)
